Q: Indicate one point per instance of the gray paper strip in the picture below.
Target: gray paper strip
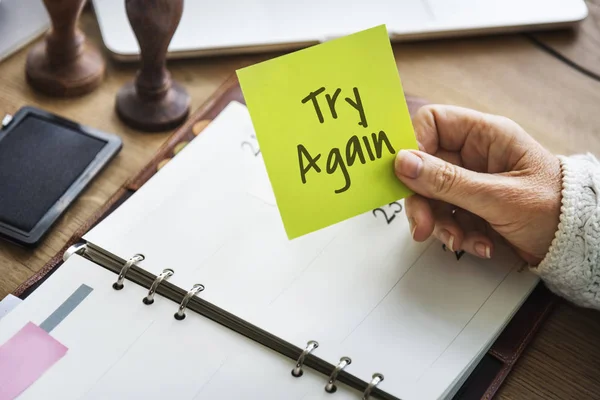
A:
(66, 308)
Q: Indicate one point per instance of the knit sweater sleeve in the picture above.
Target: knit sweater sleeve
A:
(571, 267)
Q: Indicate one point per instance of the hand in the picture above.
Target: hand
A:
(477, 176)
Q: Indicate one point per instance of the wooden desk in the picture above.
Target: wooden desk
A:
(506, 75)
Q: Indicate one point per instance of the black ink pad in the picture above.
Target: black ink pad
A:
(45, 163)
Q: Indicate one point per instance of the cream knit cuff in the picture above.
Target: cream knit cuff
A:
(571, 267)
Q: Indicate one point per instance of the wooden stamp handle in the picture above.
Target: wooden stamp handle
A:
(64, 64)
(64, 41)
(154, 23)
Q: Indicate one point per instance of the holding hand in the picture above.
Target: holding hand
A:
(476, 176)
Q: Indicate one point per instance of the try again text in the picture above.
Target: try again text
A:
(363, 149)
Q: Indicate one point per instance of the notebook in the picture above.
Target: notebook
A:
(218, 303)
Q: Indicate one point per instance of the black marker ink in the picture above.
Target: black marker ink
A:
(357, 104)
(338, 161)
(354, 149)
(313, 96)
(331, 102)
(368, 146)
(312, 162)
(378, 142)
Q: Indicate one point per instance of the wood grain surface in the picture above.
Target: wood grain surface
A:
(579, 46)
(507, 75)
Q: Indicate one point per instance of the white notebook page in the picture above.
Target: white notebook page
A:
(120, 348)
(362, 288)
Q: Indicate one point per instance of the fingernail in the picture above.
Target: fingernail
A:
(413, 227)
(483, 250)
(408, 164)
(447, 238)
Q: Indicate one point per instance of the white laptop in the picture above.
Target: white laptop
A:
(246, 26)
(21, 21)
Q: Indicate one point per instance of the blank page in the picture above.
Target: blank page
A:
(362, 288)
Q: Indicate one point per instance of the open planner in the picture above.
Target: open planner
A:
(191, 290)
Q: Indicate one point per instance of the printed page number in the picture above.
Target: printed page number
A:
(252, 145)
(392, 210)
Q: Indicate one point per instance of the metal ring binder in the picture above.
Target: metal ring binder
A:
(344, 362)
(310, 346)
(78, 248)
(149, 299)
(197, 288)
(118, 285)
(377, 378)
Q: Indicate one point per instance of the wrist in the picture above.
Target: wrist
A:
(573, 253)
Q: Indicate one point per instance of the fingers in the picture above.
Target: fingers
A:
(447, 229)
(449, 127)
(420, 217)
(484, 142)
(437, 179)
(449, 156)
(477, 244)
(427, 217)
(476, 241)
(458, 231)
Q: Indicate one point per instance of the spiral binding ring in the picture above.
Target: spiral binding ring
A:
(310, 346)
(344, 362)
(164, 275)
(180, 314)
(377, 378)
(118, 285)
(78, 248)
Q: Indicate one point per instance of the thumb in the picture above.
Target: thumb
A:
(437, 179)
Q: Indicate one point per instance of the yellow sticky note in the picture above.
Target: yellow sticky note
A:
(329, 120)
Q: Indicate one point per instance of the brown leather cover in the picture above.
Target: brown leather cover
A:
(487, 376)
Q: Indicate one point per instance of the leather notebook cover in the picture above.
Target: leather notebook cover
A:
(485, 379)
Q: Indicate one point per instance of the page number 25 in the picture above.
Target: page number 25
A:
(392, 210)
(252, 145)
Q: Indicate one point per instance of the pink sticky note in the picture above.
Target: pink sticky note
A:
(25, 357)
